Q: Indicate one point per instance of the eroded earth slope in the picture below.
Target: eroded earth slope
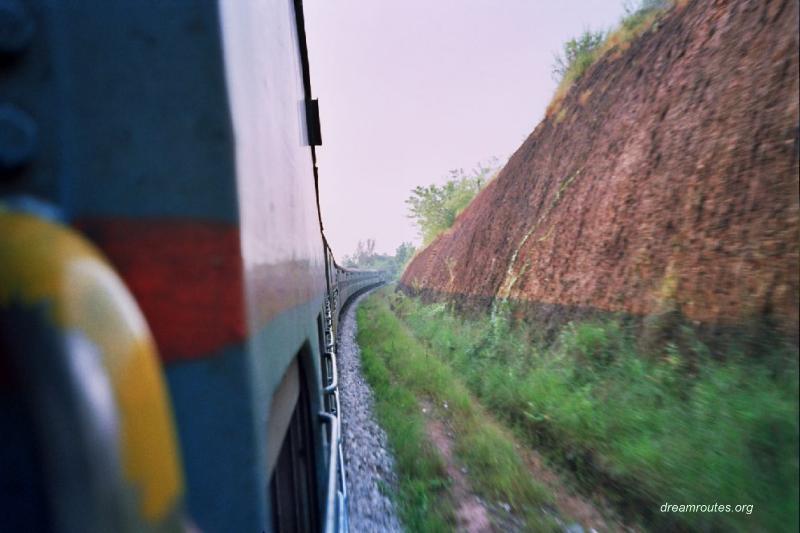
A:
(668, 176)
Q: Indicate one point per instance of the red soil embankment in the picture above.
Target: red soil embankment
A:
(669, 173)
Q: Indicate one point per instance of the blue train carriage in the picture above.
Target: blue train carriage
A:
(168, 302)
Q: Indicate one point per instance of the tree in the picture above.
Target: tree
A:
(403, 254)
(365, 257)
(365, 250)
(434, 208)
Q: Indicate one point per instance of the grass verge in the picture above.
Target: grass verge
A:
(677, 426)
(400, 371)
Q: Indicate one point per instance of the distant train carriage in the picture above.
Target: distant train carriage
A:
(168, 302)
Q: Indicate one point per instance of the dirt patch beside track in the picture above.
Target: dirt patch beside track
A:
(471, 513)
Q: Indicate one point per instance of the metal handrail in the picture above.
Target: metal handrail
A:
(331, 387)
(332, 493)
(341, 467)
(342, 499)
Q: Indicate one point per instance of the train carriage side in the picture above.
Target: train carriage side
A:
(175, 137)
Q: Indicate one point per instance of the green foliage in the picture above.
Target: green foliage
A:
(402, 256)
(497, 470)
(638, 18)
(366, 258)
(434, 208)
(577, 55)
(422, 493)
(634, 10)
(398, 366)
(670, 425)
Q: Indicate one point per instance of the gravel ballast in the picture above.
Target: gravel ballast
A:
(368, 463)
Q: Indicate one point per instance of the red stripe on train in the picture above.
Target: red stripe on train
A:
(185, 275)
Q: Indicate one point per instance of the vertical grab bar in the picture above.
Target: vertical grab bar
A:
(334, 383)
(336, 496)
(332, 492)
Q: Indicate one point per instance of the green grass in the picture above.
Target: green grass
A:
(422, 493)
(401, 371)
(582, 52)
(676, 425)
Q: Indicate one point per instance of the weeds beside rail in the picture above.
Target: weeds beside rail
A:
(676, 426)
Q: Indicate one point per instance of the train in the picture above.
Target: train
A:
(168, 299)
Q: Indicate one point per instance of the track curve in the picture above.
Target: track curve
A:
(369, 463)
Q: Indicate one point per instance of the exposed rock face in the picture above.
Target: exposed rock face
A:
(669, 174)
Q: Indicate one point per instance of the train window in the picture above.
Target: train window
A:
(293, 488)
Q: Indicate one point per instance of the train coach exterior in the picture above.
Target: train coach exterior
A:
(168, 300)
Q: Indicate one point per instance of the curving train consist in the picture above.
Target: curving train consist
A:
(168, 301)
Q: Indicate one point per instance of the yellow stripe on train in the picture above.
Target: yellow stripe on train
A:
(43, 262)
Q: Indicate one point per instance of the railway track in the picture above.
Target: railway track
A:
(369, 463)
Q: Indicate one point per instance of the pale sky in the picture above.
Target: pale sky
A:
(409, 89)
